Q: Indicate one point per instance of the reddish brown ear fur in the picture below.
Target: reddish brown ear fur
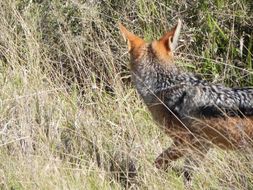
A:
(170, 39)
(133, 41)
(165, 46)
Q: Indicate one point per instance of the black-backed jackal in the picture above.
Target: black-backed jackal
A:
(194, 113)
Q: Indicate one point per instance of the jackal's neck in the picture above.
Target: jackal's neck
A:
(151, 77)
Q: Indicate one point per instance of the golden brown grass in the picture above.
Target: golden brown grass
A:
(69, 117)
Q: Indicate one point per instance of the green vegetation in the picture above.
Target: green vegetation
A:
(69, 116)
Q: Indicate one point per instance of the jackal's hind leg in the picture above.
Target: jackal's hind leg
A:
(172, 153)
(193, 161)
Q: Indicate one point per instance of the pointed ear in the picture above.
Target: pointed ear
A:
(133, 41)
(170, 39)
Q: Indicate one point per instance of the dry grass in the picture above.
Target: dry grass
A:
(70, 119)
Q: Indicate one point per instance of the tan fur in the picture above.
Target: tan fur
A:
(227, 133)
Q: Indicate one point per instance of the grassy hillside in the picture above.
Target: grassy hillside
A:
(69, 115)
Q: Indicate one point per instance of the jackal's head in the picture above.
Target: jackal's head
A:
(160, 50)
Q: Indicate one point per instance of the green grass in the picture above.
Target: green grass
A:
(69, 116)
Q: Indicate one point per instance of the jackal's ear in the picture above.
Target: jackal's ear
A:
(133, 41)
(170, 39)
